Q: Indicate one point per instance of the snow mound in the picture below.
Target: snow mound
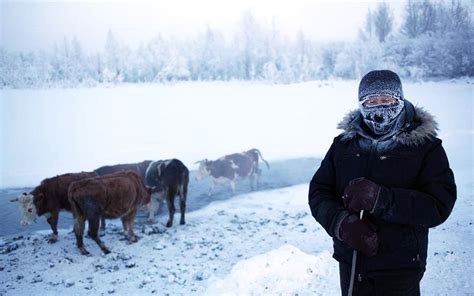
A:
(285, 270)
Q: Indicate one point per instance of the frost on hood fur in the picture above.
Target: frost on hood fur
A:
(420, 126)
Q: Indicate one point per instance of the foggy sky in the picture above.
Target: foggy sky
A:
(37, 25)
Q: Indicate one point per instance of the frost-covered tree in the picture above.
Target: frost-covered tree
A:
(368, 31)
(420, 18)
(251, 52)
(382, 21)
(113, 66)
(175, 69)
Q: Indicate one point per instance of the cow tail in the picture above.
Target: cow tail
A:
(261, 157)
(184, 186)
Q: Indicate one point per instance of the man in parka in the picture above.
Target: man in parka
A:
(389, 168)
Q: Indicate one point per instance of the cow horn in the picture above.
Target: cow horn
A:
(14, 200)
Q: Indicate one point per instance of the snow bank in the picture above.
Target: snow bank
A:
(286, 270)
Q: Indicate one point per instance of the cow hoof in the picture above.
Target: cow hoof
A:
(106, 251)
(84, 252)
(132, 239)
(52, 240)
(169, 224)
(182, 223)
(102, 233)
(150, 221)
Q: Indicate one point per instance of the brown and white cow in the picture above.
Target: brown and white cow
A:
(116, 195)
(139, 168)
(227, 168)
(48, 199)
(168, 178)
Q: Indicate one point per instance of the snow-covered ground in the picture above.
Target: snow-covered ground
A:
(198, 257)
(259, 243)
(250, 243)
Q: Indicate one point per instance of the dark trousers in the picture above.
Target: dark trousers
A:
(387, 283)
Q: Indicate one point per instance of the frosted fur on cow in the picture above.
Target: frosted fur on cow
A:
(116, 195)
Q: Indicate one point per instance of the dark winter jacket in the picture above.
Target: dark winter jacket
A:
(418, 189)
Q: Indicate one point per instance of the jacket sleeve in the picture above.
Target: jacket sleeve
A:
(326, 207)
(430, 203)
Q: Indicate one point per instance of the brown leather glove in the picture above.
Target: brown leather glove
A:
(359, 235)
(361, 194)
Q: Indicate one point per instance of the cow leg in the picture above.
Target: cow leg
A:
(232, 186)
(182, 203)
(53, 222)
(94, 233)
(152, 207)
(79, 221)
(171, 209)
(102, 226)
(211, 189)
(258, 174)
(128, 222)
(252, 182)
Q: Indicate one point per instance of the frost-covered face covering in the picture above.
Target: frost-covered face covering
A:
(381, 100)
(382, 115)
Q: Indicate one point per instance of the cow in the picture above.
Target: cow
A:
(168, 178)
(227, 168)
(139, 168)
(116, 195)
(48, 199)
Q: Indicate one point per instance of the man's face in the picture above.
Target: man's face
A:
(378, 100)
(380, 112)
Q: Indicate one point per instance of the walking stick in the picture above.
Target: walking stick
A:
(353, 267)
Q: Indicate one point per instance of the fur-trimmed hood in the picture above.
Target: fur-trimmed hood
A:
(419, 126)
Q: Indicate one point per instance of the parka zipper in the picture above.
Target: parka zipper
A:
(373, 147)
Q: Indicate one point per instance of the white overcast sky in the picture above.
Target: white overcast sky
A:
(36, 25)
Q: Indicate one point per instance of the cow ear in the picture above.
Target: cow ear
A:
(40, 196)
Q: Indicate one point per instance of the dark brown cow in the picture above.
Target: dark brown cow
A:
(48, 199)
(227, 168)
(168, 178)
(116, 195)
(139, 168)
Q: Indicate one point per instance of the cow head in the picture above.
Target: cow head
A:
(27, 208)
(203, 170)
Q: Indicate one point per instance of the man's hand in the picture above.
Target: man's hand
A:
(359, 235)
(361, 194)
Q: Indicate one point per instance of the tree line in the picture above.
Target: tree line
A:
(434, 40)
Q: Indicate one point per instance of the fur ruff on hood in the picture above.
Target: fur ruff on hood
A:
(420, 126)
